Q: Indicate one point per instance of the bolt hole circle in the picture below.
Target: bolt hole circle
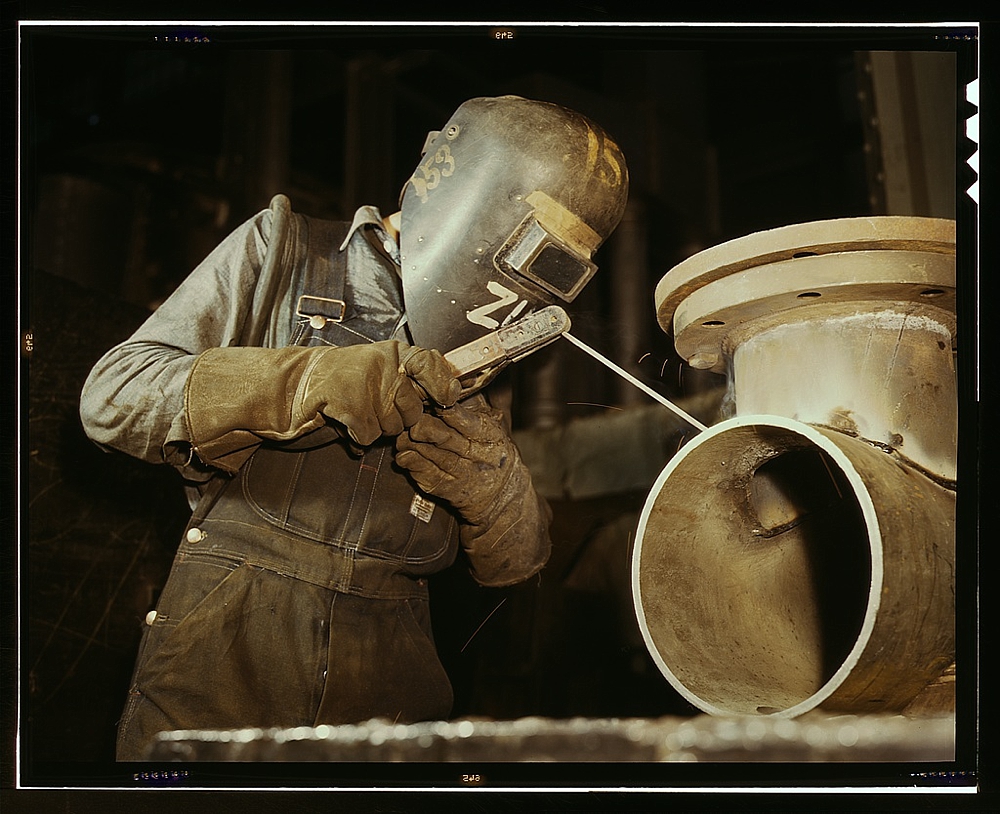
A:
(930, 293)
(808, 295)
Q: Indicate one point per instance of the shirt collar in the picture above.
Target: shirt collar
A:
(365, 216)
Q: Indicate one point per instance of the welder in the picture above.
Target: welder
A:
(332, 457)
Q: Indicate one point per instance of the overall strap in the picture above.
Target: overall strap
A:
(327, 308)
(321, 278)
(303, 272)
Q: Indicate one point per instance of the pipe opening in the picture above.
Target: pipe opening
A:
(790, 488)
(802, 495)
(754, 571)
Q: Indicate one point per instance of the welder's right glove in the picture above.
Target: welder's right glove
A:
(465, 456)
(237, 397)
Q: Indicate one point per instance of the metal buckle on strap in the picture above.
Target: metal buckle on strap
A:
(320, 310)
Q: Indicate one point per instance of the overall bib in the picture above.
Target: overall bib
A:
(298, 594)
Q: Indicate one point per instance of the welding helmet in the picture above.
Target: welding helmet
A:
(502, 216)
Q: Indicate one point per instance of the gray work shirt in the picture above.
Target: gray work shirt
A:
(133, 399)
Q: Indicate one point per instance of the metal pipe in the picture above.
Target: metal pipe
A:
(780, 566)
(802, 553)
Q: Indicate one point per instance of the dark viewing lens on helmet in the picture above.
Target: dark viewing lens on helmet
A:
(557, 269)
(536, 255)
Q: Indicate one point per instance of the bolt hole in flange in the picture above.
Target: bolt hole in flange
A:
(806, 295)
(931, 293)
(713, 323)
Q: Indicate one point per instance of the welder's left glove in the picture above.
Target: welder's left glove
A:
(464, 455)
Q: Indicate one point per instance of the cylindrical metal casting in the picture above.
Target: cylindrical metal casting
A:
(845, 323)
(802, 553)
(779, 566)
(884, 374)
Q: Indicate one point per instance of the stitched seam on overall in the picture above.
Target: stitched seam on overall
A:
(396, 586)
(345, 583)
(403, 557)
(371, 495)
(342, 550)
(345, 327)
(293, 481)
(411, 538)
(321, 340)
(415, 528)
(340, 542)
(284, 569)
(352, 545)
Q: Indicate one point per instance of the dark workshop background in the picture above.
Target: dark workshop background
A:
(138, 156)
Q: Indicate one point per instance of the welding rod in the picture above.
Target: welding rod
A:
(694, 422)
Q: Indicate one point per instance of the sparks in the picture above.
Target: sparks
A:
(473, 636)
(694, 422)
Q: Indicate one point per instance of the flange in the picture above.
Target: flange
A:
(714, 299)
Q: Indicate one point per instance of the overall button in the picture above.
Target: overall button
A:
(195, 535)
(151, 617)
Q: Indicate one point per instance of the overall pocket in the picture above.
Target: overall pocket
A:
(364, 504)
(383, 664)
(238, 646)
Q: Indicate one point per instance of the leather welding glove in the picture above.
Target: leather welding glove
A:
(464, 455)
(237, 397)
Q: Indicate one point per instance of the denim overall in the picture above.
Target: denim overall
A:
(298, 594)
